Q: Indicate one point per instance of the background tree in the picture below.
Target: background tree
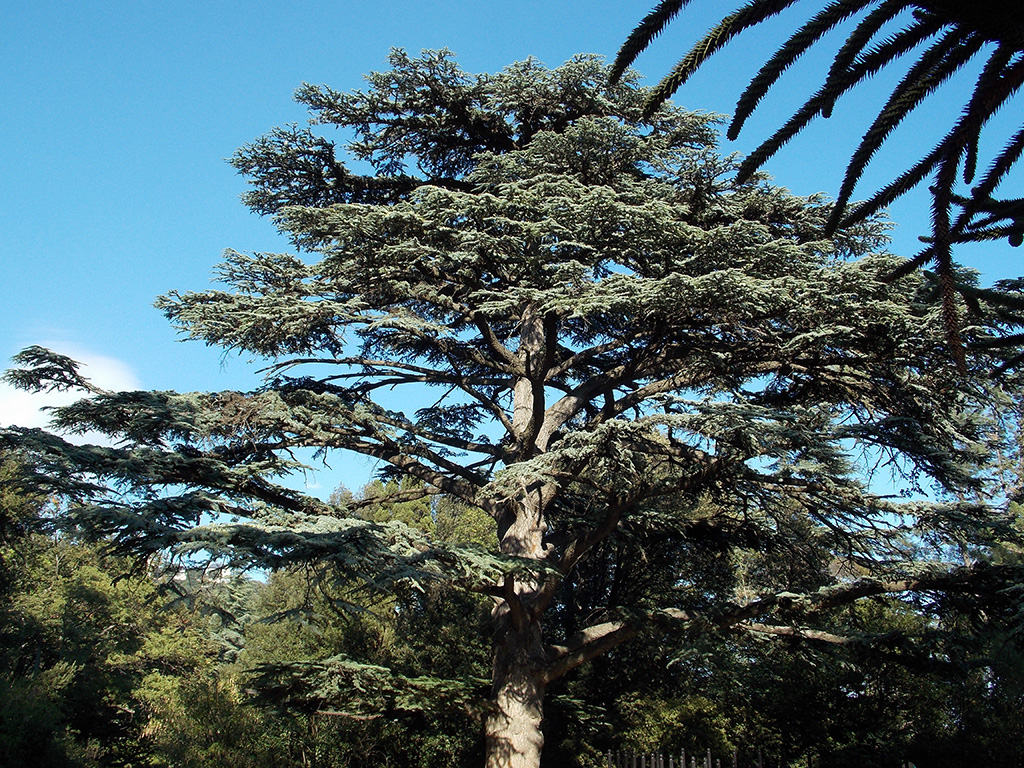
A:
(84, 645)
(312, 623)
(947, 35)
(633, 356)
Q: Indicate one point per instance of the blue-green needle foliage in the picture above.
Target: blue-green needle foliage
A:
(945, 35)
(621, 341)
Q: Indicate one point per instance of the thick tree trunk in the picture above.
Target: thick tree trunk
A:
(513, 726)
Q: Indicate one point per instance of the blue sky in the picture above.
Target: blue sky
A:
(116, 119)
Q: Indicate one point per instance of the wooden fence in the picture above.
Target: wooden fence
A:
(633, 759)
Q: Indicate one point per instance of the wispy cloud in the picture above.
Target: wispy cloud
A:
(24, 409)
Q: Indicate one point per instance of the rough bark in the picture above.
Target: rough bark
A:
(513, 726)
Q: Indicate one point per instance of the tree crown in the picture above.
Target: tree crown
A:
(607, 316)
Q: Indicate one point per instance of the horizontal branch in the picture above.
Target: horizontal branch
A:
(595, 640)
(586, 645)
(801, 633)
(600, 638)
(461, 489)
(431, 375)
(472, 446)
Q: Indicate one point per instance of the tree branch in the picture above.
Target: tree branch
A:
(595, 640)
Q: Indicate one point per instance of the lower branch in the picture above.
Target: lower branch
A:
(600, 638)
(799, 633)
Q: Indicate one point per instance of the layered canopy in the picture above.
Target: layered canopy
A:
(574, 319)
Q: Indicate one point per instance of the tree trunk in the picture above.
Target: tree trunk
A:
(513, 726)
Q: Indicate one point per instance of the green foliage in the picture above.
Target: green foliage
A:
(224, 599)
(358, 678)
(945, 36)
(663, 386)
(80, 641)
(458, 523)
(380, 504)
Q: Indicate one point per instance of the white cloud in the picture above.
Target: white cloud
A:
(24, 409)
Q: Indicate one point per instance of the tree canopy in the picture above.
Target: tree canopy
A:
(946, 36)
(571, 316)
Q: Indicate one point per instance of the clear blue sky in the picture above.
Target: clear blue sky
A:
(116, 118)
